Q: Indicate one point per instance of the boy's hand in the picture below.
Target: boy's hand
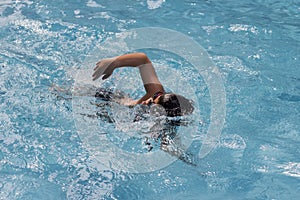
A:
(104, 67)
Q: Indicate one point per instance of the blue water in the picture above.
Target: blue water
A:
(254, 44)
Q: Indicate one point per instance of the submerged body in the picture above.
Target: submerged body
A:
(156, 98)
(153, 130)
(163, 109)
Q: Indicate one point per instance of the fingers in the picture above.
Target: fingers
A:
(98, 64)
(96, 75)
(102, 68)
(98, 71)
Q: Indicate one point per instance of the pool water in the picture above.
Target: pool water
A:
(254, 44)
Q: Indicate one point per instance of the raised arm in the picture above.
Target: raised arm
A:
(150, 80)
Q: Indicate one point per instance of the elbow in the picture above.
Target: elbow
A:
(144, 57)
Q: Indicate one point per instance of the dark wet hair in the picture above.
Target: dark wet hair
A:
(175, 105)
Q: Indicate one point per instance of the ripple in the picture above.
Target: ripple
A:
(243, 27)
(154, 4)
(289, 97)
(233, 142)
(17, 186)
(290, 169)
(93, 4)
(230, 64)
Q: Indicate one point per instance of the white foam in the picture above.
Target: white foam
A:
(152, 4)
(94, 4)
(290, 169)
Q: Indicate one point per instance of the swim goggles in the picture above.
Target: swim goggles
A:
(156, 95)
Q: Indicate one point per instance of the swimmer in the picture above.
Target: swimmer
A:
(173, 104)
